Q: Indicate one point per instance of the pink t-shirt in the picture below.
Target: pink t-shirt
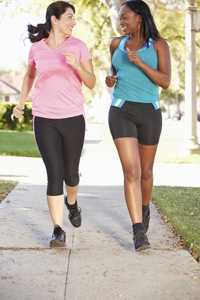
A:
(57, 91)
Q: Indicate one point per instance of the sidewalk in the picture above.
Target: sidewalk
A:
(99, 262)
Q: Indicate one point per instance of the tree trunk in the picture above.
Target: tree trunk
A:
(114, 6)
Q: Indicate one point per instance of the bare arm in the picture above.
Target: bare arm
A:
(86, 72)
(113, 46)
(26, 87)
(84, 69)
(111, 79)
(162, 76)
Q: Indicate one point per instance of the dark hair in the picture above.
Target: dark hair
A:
(148, 28)
(36, 33)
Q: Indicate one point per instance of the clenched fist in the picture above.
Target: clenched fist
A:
(18, 112)
(133, 57)
(72, 60)
(111, 80)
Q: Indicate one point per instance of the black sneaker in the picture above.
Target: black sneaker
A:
(74, 213)
(146, 217)
(58, 237)
(140, 239)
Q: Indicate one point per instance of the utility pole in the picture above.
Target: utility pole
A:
(192, 24)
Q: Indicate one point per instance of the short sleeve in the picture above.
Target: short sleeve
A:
(31, 60)
(85, 53)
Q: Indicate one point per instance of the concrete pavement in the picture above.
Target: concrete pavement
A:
(99, 262)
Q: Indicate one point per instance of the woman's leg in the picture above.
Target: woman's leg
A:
(148, 136)
(129, 155)
(130, 160)
(50, 145)
(56, 209)
(72, 192)
(124, 133)
(147, 156)
(73, 133)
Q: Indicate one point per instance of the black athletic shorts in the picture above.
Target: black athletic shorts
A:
(137, 120)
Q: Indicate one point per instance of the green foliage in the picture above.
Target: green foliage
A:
(96, 26)
(7, 123)
(18, 143)
(181, 207)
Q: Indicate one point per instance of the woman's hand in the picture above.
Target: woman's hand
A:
(133, 57)
(18, 112)
(72, 60)
(111, 80)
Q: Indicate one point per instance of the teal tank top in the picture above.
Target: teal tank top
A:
(132, 83)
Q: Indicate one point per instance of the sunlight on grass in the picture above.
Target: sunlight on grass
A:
(18, 143)
(182, 208)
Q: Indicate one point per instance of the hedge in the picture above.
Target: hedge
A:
(5, 117)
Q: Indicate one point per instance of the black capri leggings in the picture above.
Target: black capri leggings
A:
(60, 142)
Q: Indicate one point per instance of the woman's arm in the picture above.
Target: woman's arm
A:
(84, 69)
(113, 46)
(26, 87)
(162, 76)
(86, 72)
(111, 79)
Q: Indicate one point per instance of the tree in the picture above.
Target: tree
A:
(99, 20)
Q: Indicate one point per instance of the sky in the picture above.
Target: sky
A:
(14, 43)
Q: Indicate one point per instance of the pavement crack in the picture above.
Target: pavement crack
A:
(68, 267)
(27, 248)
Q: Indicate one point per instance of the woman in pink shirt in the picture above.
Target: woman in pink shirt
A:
(58, 63)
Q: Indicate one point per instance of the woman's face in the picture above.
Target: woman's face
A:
(66, 22)
(129, 20)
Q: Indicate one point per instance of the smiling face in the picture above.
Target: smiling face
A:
(66, 22)
(130, 22)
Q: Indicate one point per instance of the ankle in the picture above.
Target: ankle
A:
(146, 204)
(58, 227)
(145, 207)
(138, 227)
(71, 205)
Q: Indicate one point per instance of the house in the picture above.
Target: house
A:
(8, 93)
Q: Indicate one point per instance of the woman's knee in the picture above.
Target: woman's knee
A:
(55, 185)
(147, 174)
(72, 179)
(132, 173)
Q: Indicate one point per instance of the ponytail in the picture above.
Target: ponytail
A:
(37, 33)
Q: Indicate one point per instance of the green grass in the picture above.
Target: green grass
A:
(18, 143)
(5, 188)
(181, 206)
(23, 144)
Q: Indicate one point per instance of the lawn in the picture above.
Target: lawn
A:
(181, 206)
(23, 144)
(18, 143)
(5, 188)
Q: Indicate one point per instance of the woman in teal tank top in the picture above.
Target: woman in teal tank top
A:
(140, 65)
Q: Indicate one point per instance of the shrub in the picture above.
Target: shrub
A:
(7, 123)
